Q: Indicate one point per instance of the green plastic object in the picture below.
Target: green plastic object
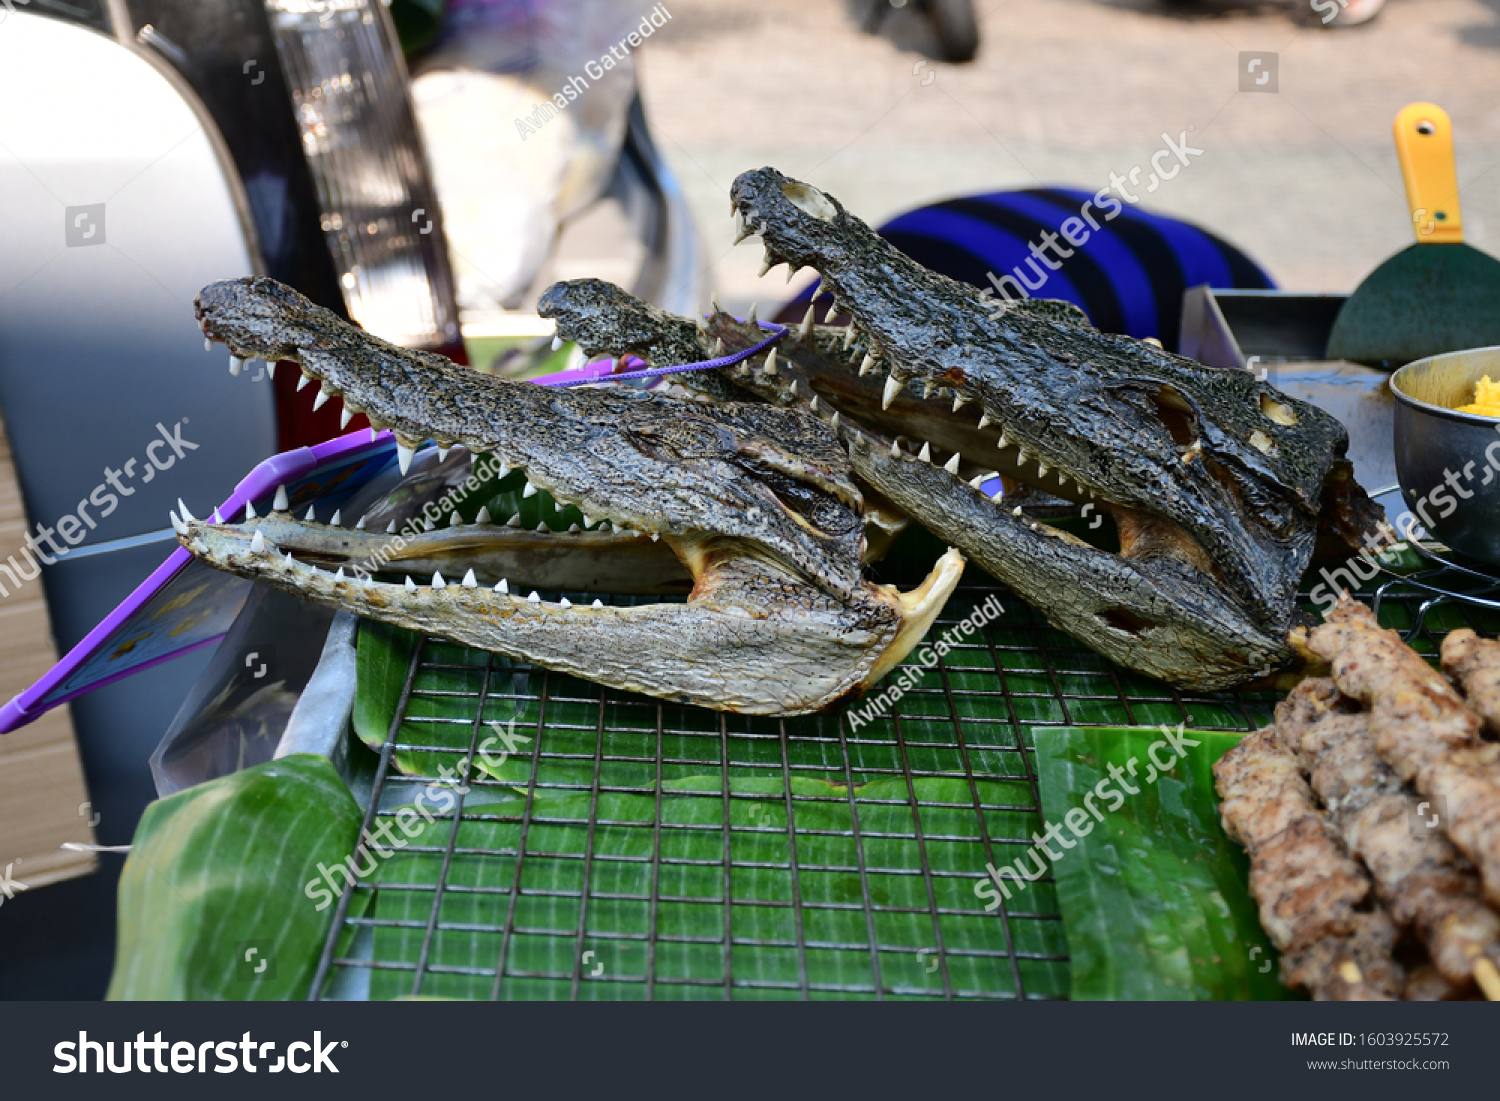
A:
(1425, 300)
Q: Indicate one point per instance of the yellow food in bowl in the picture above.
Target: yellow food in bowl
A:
(1486, 399)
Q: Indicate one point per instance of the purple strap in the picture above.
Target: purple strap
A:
(589, 373)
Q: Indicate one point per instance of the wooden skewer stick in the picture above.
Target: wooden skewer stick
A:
(1488, 978)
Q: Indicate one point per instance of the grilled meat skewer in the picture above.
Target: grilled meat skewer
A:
(1475, 663)
(1422, 729)
(1306, 885)
(1424, 881)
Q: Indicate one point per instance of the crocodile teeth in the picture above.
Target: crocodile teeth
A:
(514, 521)
(713, 301)
(813, 405)
(818, 292)
(1021, 455)
(280, 503)
(270, 368)
(428, 525)
(850, 333)
(770, 364)
(1002, 442)
(361, 525)
(530, 490)
(557, 343)
(404, 456)
(235, 365)
(320, 400)
(984, 420)
(655, 535)
(718, 351)
(926, 453)
(588, 521)
(951, 466)
(443, 453)
(437, 581)
(186, 515)
(805, 329)
(893, 387)
(310, 516)
(390, 528)
(598, 604)
(574, 529)
(411, 586)
(249, 511)
(533, 598)
(503, 587)
(895, 450)
(177, 525)
(483, 515)
(958, 401)
(767, 264)
(927, 385)
(1016, 511)
(543, 529)
(338, 574)
(345, 416)
(867, 364)
(504, 469)
(976, 481)
(1041, 469)
(258, 542)
(750, 318)
(833, 311)
(198, 546)
(374, 433)
(791, 272)
(454, 519)
(208, 345)
(469, 581)
(304, 380)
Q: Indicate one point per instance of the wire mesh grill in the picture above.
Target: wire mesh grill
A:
(662, 851)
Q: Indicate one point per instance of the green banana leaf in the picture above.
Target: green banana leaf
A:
(1155, 901)
(212, 898)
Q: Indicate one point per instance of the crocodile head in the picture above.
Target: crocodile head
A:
(1216, 482)
(756, 502)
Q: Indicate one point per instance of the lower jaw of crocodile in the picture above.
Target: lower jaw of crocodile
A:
(751, 638)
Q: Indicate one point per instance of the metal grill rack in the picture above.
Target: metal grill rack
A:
(643, 850)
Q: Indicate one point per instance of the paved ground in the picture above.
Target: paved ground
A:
(1067, 91)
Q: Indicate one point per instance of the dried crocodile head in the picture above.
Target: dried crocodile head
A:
(757, 503)
(1216, 481)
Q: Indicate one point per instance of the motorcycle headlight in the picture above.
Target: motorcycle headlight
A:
(348, 84)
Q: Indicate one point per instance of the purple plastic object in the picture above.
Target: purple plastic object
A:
(594, 372)
(129, 639)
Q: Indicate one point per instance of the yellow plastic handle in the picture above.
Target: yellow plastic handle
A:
(1424, 145)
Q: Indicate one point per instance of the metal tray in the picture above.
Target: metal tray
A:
(661, 851)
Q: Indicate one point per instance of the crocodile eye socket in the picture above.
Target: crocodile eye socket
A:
(672, 440)
(809, 200)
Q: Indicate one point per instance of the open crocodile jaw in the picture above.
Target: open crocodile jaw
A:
(1216, 481)
(756, 502)
(1236, 465)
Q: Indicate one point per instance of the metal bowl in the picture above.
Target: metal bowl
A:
(1448, 462)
